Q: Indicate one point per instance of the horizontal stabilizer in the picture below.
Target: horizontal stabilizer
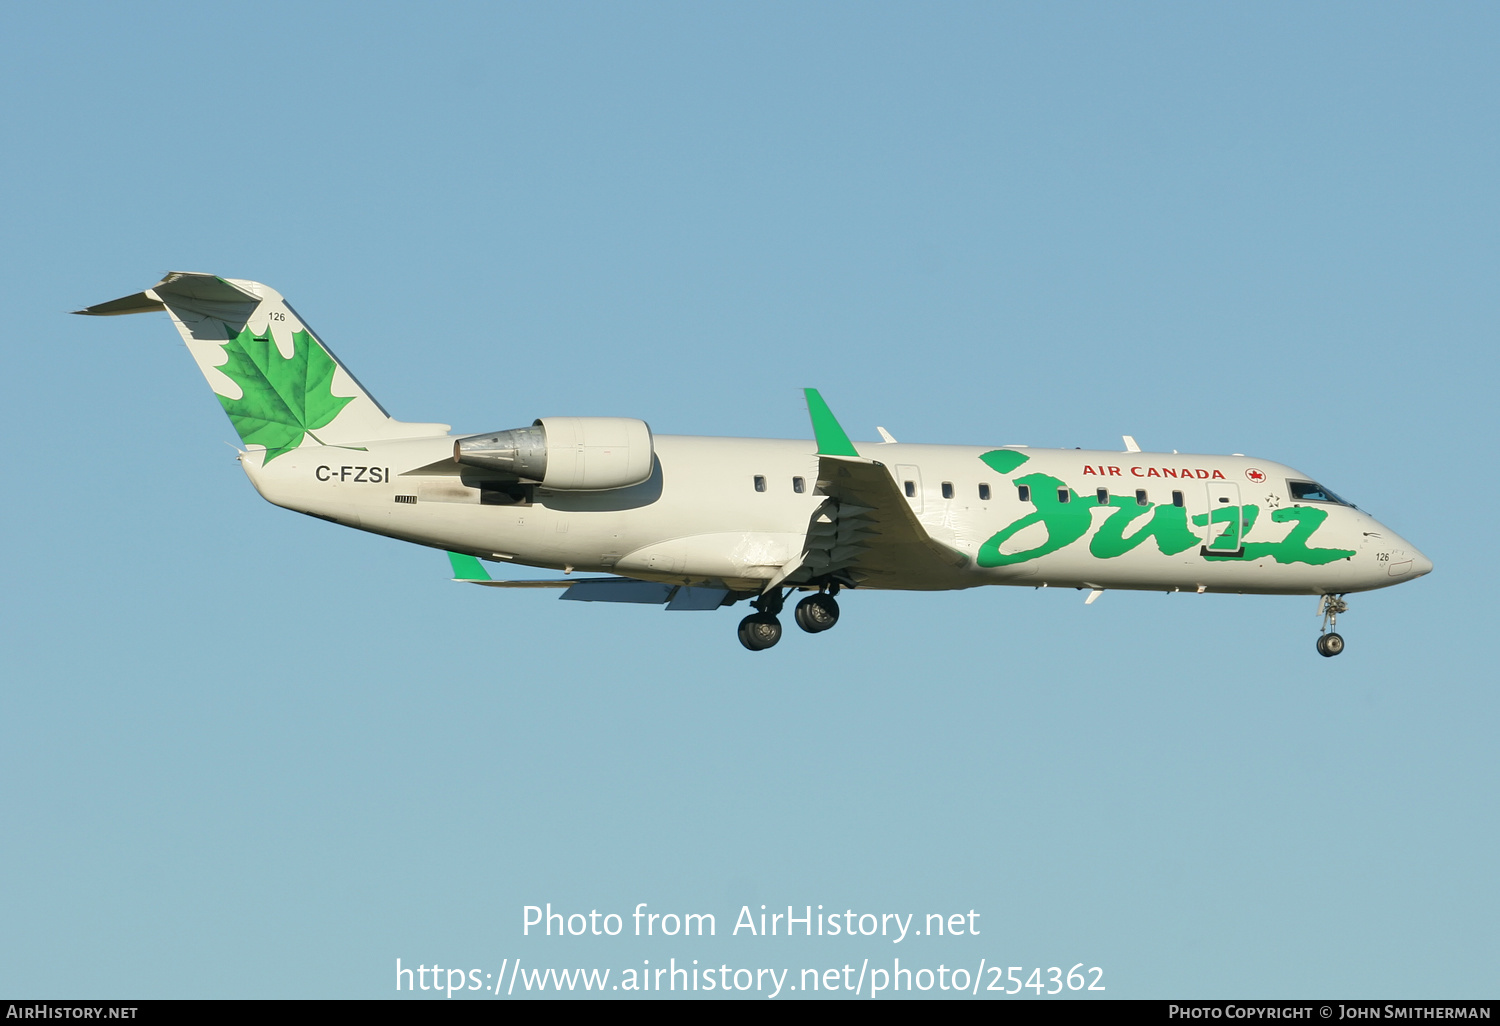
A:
(141, 302)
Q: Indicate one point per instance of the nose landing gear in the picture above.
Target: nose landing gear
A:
(1331, 643)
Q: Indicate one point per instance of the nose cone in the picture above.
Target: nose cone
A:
(1407, 562)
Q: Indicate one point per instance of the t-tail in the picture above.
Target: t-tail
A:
(281, 386)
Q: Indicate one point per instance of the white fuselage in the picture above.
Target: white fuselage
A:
(702, 519)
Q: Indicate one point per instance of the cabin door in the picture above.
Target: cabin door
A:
(1225, 520)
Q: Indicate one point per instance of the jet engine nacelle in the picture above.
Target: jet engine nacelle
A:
(588, 454)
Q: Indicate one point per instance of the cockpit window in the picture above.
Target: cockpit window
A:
(1310, 491)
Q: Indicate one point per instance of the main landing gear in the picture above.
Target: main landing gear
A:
(817, 613)
(1331, 643)
(814, 614)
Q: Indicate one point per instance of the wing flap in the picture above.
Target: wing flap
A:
(867, 528)
(619, 589)
(876, 530)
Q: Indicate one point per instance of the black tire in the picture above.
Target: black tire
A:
(759, 631)
(817, 613)
(1330, 644)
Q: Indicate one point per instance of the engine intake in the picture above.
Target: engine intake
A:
(586, 454)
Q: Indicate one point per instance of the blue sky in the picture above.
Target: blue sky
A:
(252, 754)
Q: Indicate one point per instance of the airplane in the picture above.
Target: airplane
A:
(696, 523)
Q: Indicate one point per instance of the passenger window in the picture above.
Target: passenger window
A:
(911, 489)
(984, 493)
(1103, 496)
(798, 485)
(1177, 499)
(1064, 494)
(760, 482)
(1140, 497)
(947, 489)
(1024, 492)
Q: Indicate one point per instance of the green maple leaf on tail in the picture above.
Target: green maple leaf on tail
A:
(282, 399)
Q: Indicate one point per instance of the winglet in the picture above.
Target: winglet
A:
(831, 438)
(467, 568)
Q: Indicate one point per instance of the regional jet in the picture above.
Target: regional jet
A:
(698, 522)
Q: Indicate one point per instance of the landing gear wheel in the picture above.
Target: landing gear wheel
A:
(816, 613)
(1330, 644)
(759, 631)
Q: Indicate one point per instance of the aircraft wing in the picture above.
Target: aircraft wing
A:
(867, 528)
(676, 597)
